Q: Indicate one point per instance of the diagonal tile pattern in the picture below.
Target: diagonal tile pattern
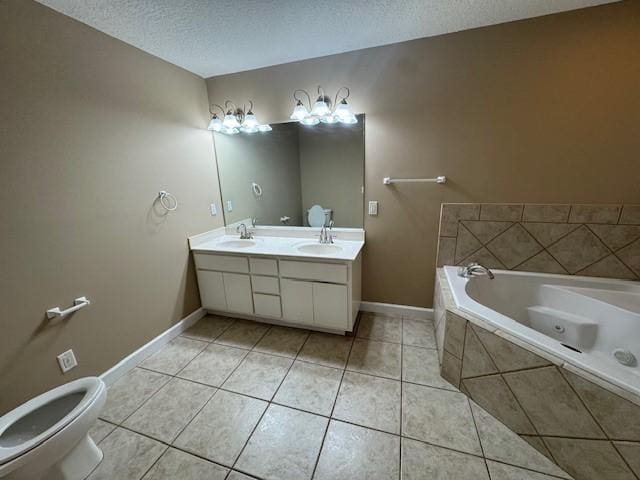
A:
(594, 240)
(393, 416)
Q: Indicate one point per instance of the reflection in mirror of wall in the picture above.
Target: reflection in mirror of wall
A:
(277, 177)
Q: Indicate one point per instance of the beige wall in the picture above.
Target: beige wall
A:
(269, 159)
(332, 171)
(542, 110)
(91, 130)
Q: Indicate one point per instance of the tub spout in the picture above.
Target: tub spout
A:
(475, 268)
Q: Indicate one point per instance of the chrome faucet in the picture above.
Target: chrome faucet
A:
(244, 234)
(474, 268)
(325, 233)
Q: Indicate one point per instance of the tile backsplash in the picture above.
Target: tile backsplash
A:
(593, 240)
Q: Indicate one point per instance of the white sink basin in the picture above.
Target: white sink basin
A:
(319, 248)
(237, 243)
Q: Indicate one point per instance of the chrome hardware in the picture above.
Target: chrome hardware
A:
(474, 268)
(325, 233)
(244, 234)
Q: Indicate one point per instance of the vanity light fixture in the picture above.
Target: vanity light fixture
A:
(322, 111)
(235, 120)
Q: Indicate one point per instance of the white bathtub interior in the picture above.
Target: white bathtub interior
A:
(591, 323)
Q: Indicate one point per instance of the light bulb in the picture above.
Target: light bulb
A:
(248, 129)
(215, 124)
(250, 120)
(348, 120)
(309, 120)
(329, 119)
(265, 128)
(230, 120)
(343, 109)
(230, 131)
(299, 111)
(320, 108)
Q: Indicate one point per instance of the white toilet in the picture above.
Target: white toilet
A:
(47, 437)
(318, 216)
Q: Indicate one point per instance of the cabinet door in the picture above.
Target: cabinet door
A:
(330, 306)
(211, 288)
(297, 301)
(237, 289)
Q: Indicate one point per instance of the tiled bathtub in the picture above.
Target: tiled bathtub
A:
(588, 426)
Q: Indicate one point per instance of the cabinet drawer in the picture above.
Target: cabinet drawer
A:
(268, 305)
(324, 272)
(264, 266)
(225, 263)
(265, 284)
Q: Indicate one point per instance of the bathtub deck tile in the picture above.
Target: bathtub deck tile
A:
(589, 459)
(611, 411)
(506, 355)
(501, 444)
(493, 394)
(551, 403)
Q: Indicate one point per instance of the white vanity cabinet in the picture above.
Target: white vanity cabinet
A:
(311, 293)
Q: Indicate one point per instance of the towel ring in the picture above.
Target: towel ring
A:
(166, 204)
(257, 189)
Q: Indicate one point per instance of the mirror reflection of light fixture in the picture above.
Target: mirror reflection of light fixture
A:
(235, 120)
(322, 111)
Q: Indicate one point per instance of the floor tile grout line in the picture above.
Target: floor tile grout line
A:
(475, 424)
(154, 463)
(269, 403)
(344, 369)
(211, 397)
(337, 420)
(335, 400)
(210, 386)
(169, 445)
(172, 377)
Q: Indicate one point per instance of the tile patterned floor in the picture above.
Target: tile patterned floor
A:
(239, 400)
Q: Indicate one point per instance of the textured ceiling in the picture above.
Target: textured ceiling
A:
(214, 37)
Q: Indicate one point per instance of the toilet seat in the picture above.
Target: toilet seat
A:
(89, 387)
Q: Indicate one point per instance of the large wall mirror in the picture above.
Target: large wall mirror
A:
(277, 177)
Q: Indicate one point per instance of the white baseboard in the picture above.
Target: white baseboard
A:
(419, 313)
(130, 361)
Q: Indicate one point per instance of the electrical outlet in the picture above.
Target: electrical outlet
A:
(213, 209)
(229, 206)
(67, 361)
(373, 207)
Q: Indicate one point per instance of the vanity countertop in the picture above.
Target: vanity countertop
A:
(282, 242)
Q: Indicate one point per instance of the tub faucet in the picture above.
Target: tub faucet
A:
(244, 234)
(473, 268)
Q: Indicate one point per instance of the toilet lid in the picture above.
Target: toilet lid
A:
(32, 423)
(316, 216)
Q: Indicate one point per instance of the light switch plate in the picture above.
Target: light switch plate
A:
(213, 209)
(67, 361)
(373, 207)
(229, 206)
